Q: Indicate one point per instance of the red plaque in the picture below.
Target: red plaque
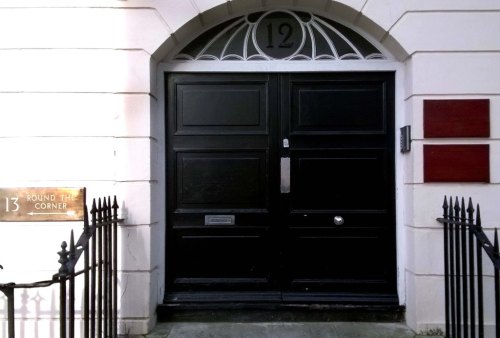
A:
(457, 163)
(457, 118)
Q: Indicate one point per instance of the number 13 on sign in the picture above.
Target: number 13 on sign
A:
(11, 204)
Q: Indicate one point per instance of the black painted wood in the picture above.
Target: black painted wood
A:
(225, 135)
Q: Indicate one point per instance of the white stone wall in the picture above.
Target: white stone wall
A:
(77, 108)
(82, 104)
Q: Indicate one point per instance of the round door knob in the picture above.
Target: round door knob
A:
(338, 220)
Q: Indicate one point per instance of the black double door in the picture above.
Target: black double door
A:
(281, 188)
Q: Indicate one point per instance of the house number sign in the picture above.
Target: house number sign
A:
(41, 204)
(279, 34)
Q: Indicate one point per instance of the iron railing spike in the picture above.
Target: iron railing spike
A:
(470, 207)
(72, 241)
(72, 253)
(470, 204)
(109, 208)
(85, 219)
(445, 203)
(470, 213)
(462, 209)
(478, 216)
(495, 244)
(94, 207)
(457, 205)
(84, 196)
(450, 210)
(99, 210)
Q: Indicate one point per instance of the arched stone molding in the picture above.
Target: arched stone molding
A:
(345, 12)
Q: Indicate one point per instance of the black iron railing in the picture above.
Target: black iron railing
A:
(98, 244)
(464, 244)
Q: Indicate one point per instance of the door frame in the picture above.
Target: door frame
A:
(402, 191)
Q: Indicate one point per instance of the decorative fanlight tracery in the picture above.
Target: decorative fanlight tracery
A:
(280, 35)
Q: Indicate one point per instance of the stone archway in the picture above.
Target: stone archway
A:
(180, 38)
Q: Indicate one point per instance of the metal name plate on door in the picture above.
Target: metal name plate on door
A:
(220, 219)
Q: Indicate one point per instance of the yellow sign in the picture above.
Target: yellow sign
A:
(41, 204)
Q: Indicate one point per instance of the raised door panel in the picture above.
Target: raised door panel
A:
(221, 108)
(222, 180)
(221, 259)
(337, 107)
(339, 179)
(339, 260)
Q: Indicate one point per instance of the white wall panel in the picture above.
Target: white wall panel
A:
(131, 326)
(454, 73)
(133, 117)
(453, 5)
(495, 167)
(133, 295)
(417, 173)
(347, 10)
(428, 201)
(425, 302)
(453, 31)
(82, 28)
(426, 246)
(211, 11)
(77, 3)
(354, 4)
(133, 160)
(57, 159)
(176, 13)
(92, 71)
(204, 5)
(70, 114)
(387, 13)
(384, 12)
(135, 248)
(135, 202)
(495, 116)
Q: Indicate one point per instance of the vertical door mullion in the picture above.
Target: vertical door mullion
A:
(284, 152)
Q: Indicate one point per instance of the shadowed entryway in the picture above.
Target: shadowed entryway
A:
(281, 188)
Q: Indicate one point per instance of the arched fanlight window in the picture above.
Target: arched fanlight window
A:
(280, 35)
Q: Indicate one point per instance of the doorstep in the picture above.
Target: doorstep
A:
(281, 330)
(341, 322)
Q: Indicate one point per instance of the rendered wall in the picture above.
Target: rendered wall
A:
(81, 104)
(76, 109)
